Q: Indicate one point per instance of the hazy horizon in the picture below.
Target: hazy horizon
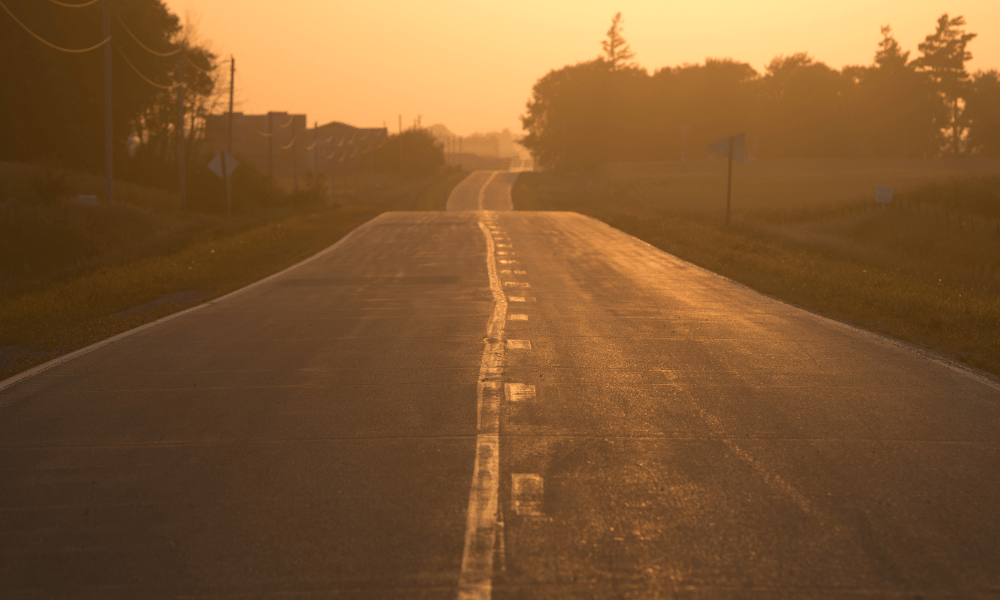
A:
(506, 50)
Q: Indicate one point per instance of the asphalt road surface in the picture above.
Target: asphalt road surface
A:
(507, 405)
(483, 190)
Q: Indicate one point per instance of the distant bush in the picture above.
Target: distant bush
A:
(978, 195)
(206, 191)
(422, 154)
(312, 192)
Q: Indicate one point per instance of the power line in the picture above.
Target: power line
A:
(84, 5)
(139, 73)
(319, 141)
(291, 143)
(48, 43)
(144, 46)
(202, 69)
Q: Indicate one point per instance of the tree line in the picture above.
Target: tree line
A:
(611, 109)
(52, 101)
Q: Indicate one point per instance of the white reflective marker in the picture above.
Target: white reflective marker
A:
(518, 317)
(516, 298)
(519, 392)
(527, 493)
(518, 344)
(523, 284)
(520, 272)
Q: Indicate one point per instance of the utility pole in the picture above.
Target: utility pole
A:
(564, 166)
(232, 86)
(460, 152)
(333, 178)
(270, 147)
(316, 154)
(295, 146)
(225, 171)
(400, 144)
(182, 184)
(729, 181)
(109, 136)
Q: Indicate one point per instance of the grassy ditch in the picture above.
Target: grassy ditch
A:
(72, 275)
(909, 272)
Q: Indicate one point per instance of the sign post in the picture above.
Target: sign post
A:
(883, 195)
(223, 165)
(732, 147)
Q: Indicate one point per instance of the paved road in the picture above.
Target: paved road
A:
(483, 190)
(521, 405)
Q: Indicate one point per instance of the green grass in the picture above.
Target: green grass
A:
(75, 275)
(903, 273)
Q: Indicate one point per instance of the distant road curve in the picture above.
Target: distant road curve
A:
(483, 190)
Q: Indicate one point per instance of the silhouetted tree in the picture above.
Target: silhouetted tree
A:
(943, 60)
(898, 107)
(983, 111)
(804, 98)
(709, 101)
(616, 50)
(607, 109)
(52, 103)
(568, 117)
(890, 55)
(154, 129)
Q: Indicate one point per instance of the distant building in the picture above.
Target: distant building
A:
(283, 147)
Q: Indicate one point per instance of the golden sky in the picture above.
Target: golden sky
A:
(471, 65)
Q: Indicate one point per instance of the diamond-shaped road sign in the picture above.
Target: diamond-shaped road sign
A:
(216, 164)
(722, 147)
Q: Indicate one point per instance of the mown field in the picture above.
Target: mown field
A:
(926, 270)
(71, 274)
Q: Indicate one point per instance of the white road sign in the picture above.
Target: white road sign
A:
(883, 194)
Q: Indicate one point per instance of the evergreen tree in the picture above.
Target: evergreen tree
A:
(943, 61)
(983, 111)
(898, 106)
(616, 50)
(890, 55)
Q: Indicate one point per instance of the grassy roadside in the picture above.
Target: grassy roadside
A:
(868, 290)
(435, 195)
(70, 312)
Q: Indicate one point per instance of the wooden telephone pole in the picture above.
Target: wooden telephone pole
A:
(109, 136)
(225, 172)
